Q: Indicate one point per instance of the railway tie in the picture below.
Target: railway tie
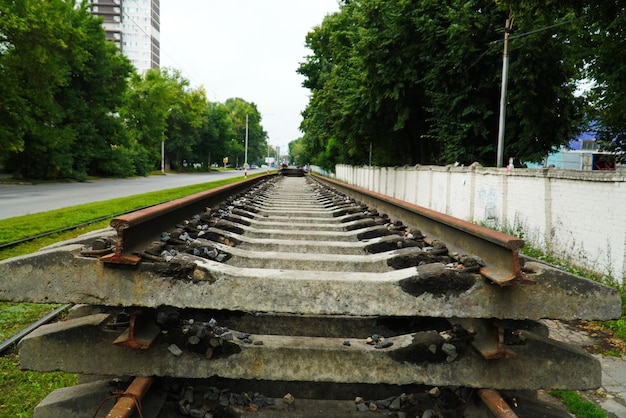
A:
(288, 296)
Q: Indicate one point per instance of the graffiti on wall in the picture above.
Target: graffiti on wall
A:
(488, 199)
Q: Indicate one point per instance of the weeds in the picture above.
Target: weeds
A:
(577, 405)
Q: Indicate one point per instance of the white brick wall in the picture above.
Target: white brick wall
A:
(578, 215)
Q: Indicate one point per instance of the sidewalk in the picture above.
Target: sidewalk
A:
(611, 396)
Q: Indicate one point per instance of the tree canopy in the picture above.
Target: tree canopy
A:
(420, 82)
(61, 82)
(393, 82)
(73, 106)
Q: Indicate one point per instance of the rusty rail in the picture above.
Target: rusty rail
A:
(130, 400)
(496, 404)
(499, 251)
(135, 228)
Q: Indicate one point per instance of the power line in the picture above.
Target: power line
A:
(496, 42)
(537, 30)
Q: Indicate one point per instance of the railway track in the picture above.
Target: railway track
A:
(296, 296)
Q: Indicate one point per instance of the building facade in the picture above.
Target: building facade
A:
(134, 25)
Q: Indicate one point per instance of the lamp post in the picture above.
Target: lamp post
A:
(505, 74)
(245, 163)
(163, 145)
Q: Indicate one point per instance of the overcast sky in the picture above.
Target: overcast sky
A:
(248, 49)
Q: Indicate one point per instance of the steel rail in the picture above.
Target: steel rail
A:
(499, 251)
(32, 327)
(130, 400)
(136, 229)
(11, 244)
(496, 404)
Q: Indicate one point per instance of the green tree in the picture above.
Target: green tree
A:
(60, 80)
(245, 114)
(606, 41)
(91, 101)
(36, 57)
(184, 124)
(150, 100)
(215, 134)
(542, 112)
(420, 83)
(598, 44)
(327, 78)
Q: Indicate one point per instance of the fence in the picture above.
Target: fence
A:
(578, 216)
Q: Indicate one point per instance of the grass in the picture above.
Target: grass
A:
(16, 316)
(577, 405)
(21, 391)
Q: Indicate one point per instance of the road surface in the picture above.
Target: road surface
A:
(24, 199)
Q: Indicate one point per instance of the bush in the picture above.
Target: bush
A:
(119, 162)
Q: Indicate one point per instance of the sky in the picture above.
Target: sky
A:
(248, 49)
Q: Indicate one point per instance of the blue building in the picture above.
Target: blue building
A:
(583, 153)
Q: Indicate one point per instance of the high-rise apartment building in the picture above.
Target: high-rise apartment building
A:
(134, 25)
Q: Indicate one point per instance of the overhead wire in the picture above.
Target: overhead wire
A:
(496, 42)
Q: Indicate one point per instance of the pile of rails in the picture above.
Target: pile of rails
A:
(293, 299)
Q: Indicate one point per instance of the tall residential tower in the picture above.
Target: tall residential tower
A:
(134, 25)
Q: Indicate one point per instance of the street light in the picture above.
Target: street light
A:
(245, 163)
(505, 74)
(163, 156)
(163, 146)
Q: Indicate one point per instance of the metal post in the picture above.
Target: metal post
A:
(163, 157)
(245, 163)
(505, 74)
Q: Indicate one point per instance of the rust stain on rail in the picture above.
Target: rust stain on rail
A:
(498, 251)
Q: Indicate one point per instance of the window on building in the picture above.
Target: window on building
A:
(589, 145)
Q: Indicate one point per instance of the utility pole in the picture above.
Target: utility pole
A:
(505, 74)
(245, 163)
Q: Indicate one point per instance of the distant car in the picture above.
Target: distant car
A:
(254, 166)
(239, 167)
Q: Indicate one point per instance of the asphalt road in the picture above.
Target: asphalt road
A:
(24, 199)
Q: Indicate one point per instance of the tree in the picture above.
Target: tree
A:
(215, 134)
(91, 100)
(184, 124)
(324, 73)
(162, 111)
(599, 42)
(420, 83)
(606, 42)
(36, 59)
(542, 112)
(60, 80)
(245, 115)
